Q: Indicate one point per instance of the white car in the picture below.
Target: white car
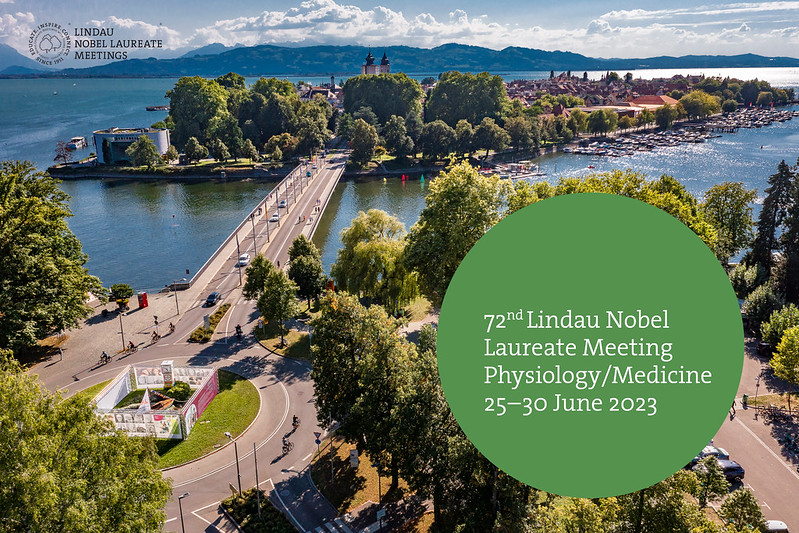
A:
(274, 218)
(243, 260)
(776, 526)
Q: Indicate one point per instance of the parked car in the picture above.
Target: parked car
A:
(274, 218)
(718, 453)
(776, 526)
(282, 204)
(732, 470)
(243, 260)
(213, 298)
(764, 349)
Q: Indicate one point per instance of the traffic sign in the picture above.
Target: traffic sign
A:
(317, 434)
(318, 442)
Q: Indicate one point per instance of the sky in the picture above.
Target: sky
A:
(593, 28)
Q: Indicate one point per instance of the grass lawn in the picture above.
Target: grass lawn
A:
(204, 335)
(350, 487)
(779, 399)
(92, 391)
(298, 344)
(233, 409)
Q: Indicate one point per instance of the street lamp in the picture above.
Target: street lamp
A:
(180, 506)
(236, 448)
(122, 330)
(175, 291)
(254, 246)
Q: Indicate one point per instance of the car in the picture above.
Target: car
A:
(274, 218)
(719, 453)
(282, 204)
(776, 526)
(308, 174)
(314, 166)
(732, 470)
(243, 260)
(213, 298)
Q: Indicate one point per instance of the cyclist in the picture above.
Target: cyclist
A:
(131, 347)
(105, 357)
(295, 422)
(171, 327)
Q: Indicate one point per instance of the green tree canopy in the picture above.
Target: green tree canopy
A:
(761, 303)
(665, 116)
(66, 469)
(194, 150)
(144, 152)
(728, 207)
(471, 96)
(742, 509)
(396, 137)
(436, 139)
(700, 104)
(258, 272)
(490, 135)
(370, 261)
(363, 141)
(786, 360)
(278, 300)
(774, 212)
(385, 94)
(44, 280)
(193, 102)
(460, 207)
(305, 268)
(602, 121)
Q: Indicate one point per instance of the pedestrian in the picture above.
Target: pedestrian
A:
(60, 354)
(733, 408)
(278, 263)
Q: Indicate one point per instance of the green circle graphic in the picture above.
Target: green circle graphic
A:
(590, 345)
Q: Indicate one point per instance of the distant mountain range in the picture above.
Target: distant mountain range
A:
(12, 62)
(268, 60)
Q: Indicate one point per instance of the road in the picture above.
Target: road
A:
(284, 384)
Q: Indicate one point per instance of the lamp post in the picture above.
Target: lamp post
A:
(175, 292)
(122, 330)
(180, 506)
(254, 246)
(236, 448)
(238, 250)
(757, 388)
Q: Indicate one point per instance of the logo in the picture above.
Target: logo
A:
(49, 43)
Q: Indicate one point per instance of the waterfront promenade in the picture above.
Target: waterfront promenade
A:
(283, 384)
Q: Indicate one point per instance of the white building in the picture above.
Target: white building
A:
(110, 144)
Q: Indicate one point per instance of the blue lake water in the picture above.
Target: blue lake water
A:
(128, 229)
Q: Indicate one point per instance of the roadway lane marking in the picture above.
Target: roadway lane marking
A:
(777, 457)
(280, 425)
(170, 520)
(299, 526)
(307, 456)
(207, 522)
(767, 505)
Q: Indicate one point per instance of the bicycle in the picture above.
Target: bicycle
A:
(287, 447)
(104, 359)
(132, 348)
(156, 336)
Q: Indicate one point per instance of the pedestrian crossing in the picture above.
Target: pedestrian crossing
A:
(336, 526)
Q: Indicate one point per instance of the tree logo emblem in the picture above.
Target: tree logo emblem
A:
(49, 43)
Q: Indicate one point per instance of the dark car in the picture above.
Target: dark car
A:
(212, 299)
(732, 470)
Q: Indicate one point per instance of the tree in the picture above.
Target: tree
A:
(45, 282)
(459, 208)
(436, 139)
(779, 321)
(305, 268)
(490, 135)
(742, 509)
(700, 104)
(143, 152)
(761, 303)
(367, 115)
(772, 215)
(578, 121)
(789, 277)
(312, 121)
(519, 132)
(785, 362)
(764, 99)
(413, 125)
(278, 301)
(219, 150)
(280, 146)
(602, 121)
(384, 94)
(744, 279)
(344, 125)
(121, 293)
(626, 122)
(464, 137)
(644, 117)
(66, 469)
(249, 151)
(225, 128)
(728, 106)
(396, 135)
(258, 272)
(459, 96)
(194, 150)
(64, 154)
(193, 103)
(728, 207)
(171, 154)
(711, 481)
(363, 142)
(370, 261)
(231, 80)
(665, 116)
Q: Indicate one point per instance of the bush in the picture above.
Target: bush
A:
(204, 335)
(244, 510)
(761, 303)
(180, 391)
(744, 279)
(778, 322)
(729, 106)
